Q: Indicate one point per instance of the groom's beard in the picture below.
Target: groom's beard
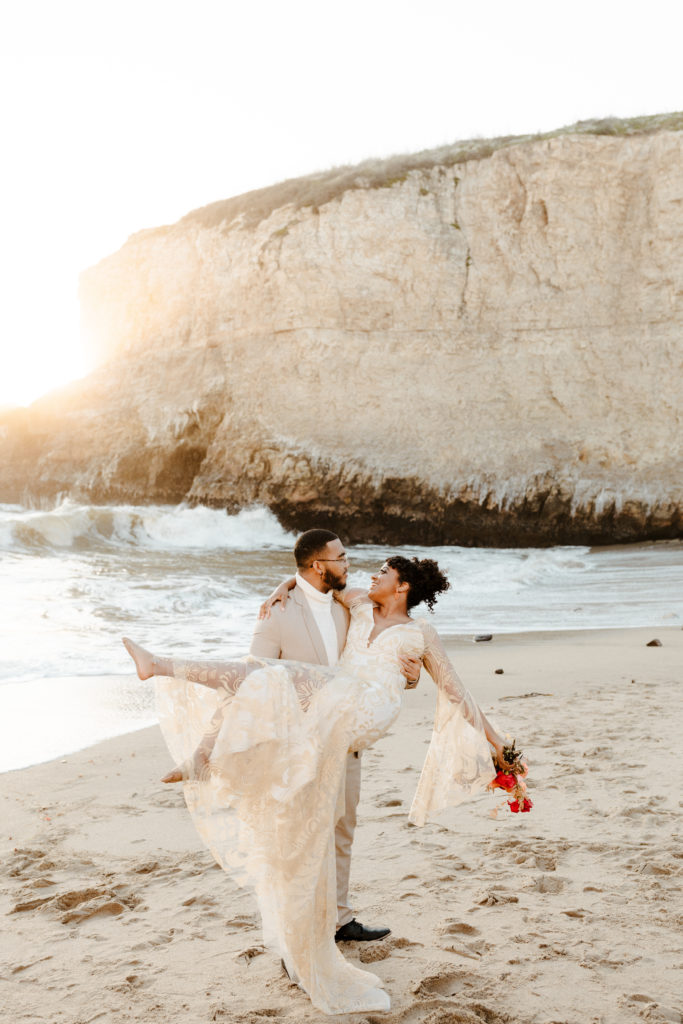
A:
(332, 581)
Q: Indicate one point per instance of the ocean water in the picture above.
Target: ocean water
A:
(75, 578)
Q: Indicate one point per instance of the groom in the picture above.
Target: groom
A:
(312, 627)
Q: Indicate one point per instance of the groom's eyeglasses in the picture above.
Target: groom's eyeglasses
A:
(344, 558)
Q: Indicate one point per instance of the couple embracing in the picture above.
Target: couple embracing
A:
(268, 749)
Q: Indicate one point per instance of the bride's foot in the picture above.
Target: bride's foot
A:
(144, 660)
(196, 767)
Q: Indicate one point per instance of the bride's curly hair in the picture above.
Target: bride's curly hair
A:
(423, 576)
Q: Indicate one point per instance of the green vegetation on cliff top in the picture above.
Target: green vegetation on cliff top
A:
(314, 190)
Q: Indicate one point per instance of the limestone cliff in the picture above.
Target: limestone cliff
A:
(470, 346)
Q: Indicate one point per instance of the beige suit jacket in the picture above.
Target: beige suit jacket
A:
(292, 634)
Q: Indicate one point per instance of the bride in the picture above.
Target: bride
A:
(262, 744)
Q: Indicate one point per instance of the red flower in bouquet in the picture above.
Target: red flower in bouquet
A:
(504, 780)
(515, 805)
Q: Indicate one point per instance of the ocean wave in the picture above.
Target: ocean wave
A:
(76, 578)
(84, 527)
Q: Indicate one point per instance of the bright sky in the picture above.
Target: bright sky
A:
(123, 115)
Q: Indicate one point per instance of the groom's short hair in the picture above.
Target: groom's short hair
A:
(311, 545)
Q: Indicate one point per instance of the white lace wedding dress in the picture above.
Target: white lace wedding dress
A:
(267, 804)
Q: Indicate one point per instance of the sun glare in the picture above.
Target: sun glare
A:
(36, 376)
(34, 365)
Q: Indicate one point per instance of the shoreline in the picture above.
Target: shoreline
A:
(117, 697)
(117, 912)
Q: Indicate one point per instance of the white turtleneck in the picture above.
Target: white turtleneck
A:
(321, 609)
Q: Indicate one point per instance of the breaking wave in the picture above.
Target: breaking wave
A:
(89, 527)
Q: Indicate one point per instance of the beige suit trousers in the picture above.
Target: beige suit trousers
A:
(343, 839)
(293, 635)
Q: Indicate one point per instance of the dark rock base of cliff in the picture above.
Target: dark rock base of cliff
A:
(235, 471)
(473, 526)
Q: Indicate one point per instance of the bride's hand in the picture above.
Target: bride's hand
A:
(411, 668)
(499, 745)
(280, 594)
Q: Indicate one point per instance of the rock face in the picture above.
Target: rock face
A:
(487, 351)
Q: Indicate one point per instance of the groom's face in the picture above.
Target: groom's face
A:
(335, 565)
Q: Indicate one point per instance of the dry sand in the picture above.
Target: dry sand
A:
(113, 911)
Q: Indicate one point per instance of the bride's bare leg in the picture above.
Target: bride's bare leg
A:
(214, 674)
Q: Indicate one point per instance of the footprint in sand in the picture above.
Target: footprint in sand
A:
(551, 951)
(442, 1011)
(494, 897)
(459, 928)
(549, 884)
(203, 901)
(20, 908)
(375, 953)
(454, 862)
(220, 1012)
(27, 859)
(147, 867)
(467, 951)
(248, 954)
(110, 907)
(445, 983)
(242, 921)
(650, 868)
(72, 899)
(81, 908)
(381, 950)
(545, 861)
(132, 981)
(62, 902)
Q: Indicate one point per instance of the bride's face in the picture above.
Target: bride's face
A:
(385, 583)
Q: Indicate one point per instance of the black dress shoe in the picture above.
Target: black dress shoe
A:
(354, 931)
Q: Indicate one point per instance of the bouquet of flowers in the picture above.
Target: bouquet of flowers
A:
(510, 775)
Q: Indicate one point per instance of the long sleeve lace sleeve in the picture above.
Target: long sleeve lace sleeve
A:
(458, 764)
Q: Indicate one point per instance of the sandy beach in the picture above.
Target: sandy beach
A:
(113, 911)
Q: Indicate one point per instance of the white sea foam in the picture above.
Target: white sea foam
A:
(161, 527)
(207, 528)
(76, 577)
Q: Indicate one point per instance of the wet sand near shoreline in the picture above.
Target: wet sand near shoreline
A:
(112, 909)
